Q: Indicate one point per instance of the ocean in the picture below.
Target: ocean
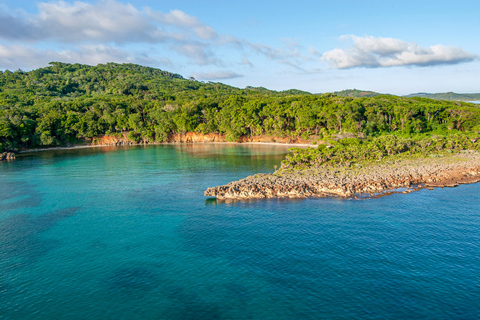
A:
(126, 233)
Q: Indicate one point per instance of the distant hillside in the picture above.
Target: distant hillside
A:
(263, 90)
(294, 92)
(451, 96)
(65, 104)
(355, 93)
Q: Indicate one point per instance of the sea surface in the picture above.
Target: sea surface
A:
(126, 233)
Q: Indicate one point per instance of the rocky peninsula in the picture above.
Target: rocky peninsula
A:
(368, 180)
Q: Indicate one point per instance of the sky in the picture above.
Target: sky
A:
(396, 47)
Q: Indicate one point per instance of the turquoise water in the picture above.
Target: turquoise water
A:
(125, 233)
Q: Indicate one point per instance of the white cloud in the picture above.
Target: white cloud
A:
(114, 25)
(117, 24)
(247, 62)
(313, 51)
(198, 53)
(291, 43)
(274, 53)
(375, 52)
(15, 56)
(219, 75)
(182, 20)
(108, 21)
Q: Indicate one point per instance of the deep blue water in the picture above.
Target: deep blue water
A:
(126, 233)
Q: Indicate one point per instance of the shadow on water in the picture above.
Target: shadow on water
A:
(260, 245)
(33, 160)
(132, 282)
(135, 283)
(62, 154)
(16, 195)
(20, 244)
(187, 305)
(5, 288)
(211, 201)
(236, 291)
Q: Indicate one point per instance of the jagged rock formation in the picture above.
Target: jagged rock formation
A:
(373, 180)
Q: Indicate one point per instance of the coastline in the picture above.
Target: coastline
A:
(371, 181)
(168, 143)
(187, 138)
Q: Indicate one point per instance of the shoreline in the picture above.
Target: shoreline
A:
(184, 138)
(372, 181)
(167, 143)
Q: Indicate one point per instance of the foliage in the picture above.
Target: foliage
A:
(452, 96)
(64, 103)
(349, 151)
(356, 93)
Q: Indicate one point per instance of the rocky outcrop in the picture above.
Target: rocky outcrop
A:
(374, 180)
(7, 156)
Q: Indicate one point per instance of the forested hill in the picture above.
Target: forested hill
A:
(66, 103)
(452, 96)
(355, 93)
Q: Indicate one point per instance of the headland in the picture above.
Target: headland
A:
(373, 179)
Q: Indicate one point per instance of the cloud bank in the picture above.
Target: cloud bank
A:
(376, 52)
(19, 56)
(105, 21)
(220, 75)
(110, 25)
(113, 31)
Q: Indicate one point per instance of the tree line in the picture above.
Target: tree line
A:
(67, 103)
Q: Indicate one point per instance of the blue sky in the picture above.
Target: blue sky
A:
(317, 46)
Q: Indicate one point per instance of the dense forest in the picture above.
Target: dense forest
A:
(64, 104)
(452, 96)
(355, 93)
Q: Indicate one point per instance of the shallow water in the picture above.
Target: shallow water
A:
(126, 233)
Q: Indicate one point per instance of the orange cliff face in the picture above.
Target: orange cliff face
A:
(189, 137)
(193, 137)
(196, 137)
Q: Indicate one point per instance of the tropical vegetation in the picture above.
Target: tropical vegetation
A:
(64, 104)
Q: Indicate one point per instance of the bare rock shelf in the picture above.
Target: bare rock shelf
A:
(370, 180)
